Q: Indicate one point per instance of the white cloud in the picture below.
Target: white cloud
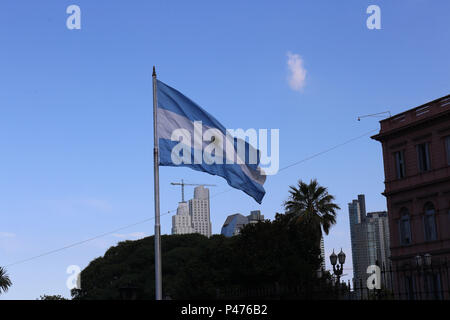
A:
(297, 71)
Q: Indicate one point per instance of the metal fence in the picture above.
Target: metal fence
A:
(407, 282)
(286, 292)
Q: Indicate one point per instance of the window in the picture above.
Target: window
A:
(447, 149)
(409, 287)
(405, 227)
(423, 154)
(430, 222)
(400, 164)
(433, 286)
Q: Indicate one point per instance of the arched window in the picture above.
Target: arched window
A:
(405, 227)
(429, 221)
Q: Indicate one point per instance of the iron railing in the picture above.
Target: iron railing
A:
(407, 282)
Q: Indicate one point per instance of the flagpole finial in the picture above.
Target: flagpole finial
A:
(154, 71)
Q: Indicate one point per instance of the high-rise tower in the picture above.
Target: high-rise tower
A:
(369, 234)
(200, 211)
(182, 221)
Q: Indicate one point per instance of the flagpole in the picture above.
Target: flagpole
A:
(158, 286)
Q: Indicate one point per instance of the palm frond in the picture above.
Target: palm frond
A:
(312, 204)
(5, 281)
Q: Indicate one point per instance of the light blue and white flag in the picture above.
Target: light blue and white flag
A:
(189, 136)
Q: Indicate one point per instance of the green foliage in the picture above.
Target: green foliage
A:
(5, 281)
(52, 297)
(283, 253)
(195, 267)
(313, 205)
(276, 251)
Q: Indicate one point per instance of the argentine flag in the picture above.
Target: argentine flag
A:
(189, 136)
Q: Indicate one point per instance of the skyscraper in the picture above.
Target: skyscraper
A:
(380, 223)
(370, 239)
(358, 235)
(255, 216)
(235, 222)
(200, 211)
(182, 221)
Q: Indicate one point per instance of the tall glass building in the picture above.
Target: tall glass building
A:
(369, 234)
(234, 223)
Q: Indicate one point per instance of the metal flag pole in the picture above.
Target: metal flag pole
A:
(158, 286)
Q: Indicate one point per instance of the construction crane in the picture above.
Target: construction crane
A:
(182, 184)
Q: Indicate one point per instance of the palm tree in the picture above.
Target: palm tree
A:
(311, 204)
(5, 282)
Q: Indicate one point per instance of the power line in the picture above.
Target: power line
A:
(84, 241)
(213, 196)
(327, 150)
(315, 155)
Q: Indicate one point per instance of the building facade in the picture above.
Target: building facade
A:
(255, 216)
(182, 221)
(358, 236)
(369, 234)
(416, 155)
(235, 222)
(193, 216)
(378, 234)
(200, 211)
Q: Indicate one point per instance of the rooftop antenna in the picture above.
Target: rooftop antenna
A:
(374, 115)
(182, 184)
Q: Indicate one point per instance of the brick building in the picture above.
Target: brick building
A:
(416, 153)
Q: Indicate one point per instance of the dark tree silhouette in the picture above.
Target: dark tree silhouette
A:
(5, 282)
(312, 205)
(276, 253)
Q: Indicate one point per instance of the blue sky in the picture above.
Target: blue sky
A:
(76, 110)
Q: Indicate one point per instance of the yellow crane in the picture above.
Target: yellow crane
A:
(182, 184)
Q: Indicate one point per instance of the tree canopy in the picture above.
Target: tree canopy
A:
(197, 267)
(5, 281)
(312, 204)
(51, 297)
